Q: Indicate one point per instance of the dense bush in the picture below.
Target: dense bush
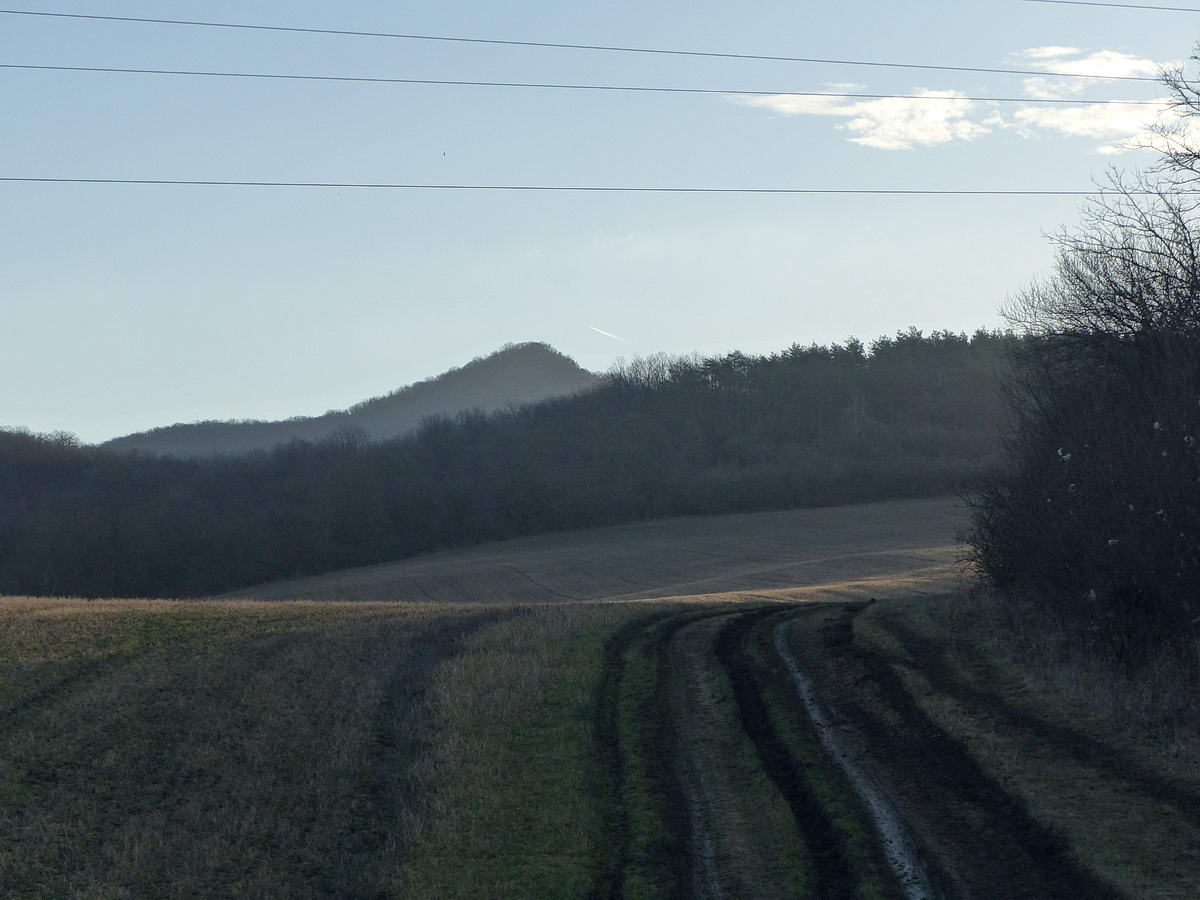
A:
(1096, 508)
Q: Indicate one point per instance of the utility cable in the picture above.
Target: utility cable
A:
(1118, 5)
(582, 188)
(569, 87)
(564, 46)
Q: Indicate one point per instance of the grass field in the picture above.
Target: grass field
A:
(594, 714)
(804, 548)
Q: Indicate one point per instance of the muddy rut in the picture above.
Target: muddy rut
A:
(766, 752)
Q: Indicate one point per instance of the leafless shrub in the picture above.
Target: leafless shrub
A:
(1096, 507)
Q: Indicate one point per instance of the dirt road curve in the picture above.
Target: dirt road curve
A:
(778, 755)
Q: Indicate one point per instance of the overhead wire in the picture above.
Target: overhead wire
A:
(581, 188)
(569, 87)
(562, 86)
(1117, 5)
(570, 46)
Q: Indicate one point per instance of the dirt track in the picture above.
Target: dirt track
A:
(972, 838)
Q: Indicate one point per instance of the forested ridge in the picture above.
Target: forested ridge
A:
(906, 416)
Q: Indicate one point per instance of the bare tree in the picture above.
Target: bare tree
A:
(1097, 506)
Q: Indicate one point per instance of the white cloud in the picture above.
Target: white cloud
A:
(898, 124)
(1102, 63)
(906, 123)
(848, 87)
(791, 105)
(888, 124)
(1122, 127)
(1074, 61)
(1054, 88)
(1051, 52)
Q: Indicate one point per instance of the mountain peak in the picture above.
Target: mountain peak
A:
(514, 375)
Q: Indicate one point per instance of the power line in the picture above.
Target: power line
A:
(569, 87)
(562, 46)
(1117, 5)
(580, 188)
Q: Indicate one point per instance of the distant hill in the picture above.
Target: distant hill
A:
(915, 415)
(517, 374)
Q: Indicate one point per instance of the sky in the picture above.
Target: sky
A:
(123, 307)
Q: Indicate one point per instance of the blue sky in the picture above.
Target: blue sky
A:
(125, 307)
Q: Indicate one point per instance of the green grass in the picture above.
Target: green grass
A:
(511, 765)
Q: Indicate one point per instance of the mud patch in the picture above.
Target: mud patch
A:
(899, 847)
(981, 840)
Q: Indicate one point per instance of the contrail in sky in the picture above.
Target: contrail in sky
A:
(608, 334)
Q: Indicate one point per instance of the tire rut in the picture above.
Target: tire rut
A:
(832, 875)
(934, 666)
(398, 736)
(11, 715)
(978, 841)
(901, 851)
(610, 758)
(706, 880)
(680, 850)
(985, 837)
(693, 870)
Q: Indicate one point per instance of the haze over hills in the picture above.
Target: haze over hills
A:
(907, 416)
(516, 374)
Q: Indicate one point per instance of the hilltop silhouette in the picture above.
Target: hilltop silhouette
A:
(516, 374)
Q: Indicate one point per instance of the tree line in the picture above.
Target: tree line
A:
(910, 415)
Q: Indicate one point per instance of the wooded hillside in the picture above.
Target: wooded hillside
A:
(907, 416)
